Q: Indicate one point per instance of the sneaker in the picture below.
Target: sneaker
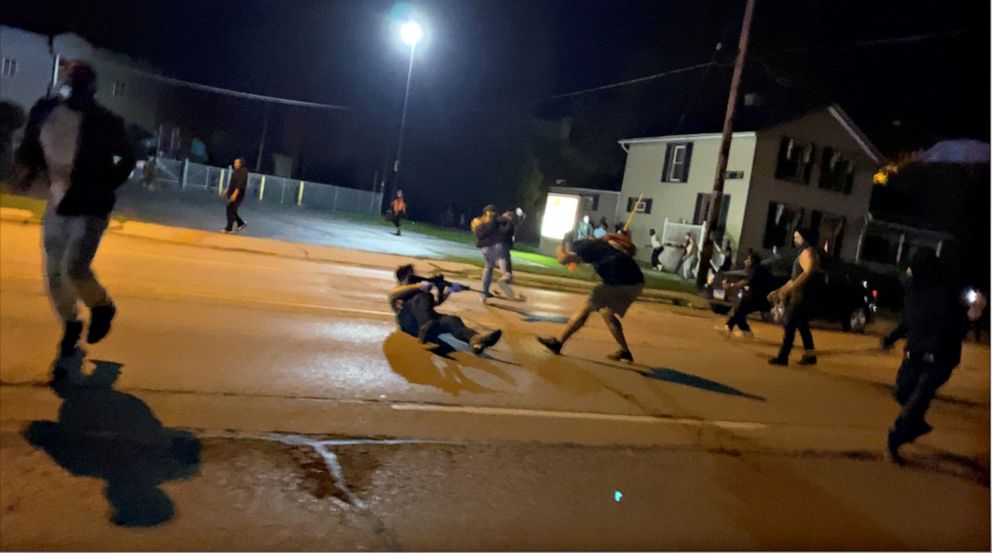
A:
(226, 230)
(723, 329)
(743, 333)
(480, 342)
(100, 318)
(621, 355)
(808, 360)
(241, 227)
(70, 338)
(779, 361)
(552, 344)
(428, 332)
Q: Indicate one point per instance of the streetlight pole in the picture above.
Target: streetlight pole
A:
(410, 33)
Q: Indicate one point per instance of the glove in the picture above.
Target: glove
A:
(457, 288)
(426, 285)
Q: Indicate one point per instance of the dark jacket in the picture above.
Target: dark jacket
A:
(760, 283)
(487, 234)
(506, 230)
(934, 320)
(96, 174)
(239, 182)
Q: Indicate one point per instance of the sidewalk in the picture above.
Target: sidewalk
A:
(328, 254)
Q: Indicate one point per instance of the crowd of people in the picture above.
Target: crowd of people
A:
(83, 149)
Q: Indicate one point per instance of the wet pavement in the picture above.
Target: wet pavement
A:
(268, 403)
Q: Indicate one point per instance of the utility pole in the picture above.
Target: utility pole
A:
(716, 200)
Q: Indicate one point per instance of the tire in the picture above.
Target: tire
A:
(857, 321)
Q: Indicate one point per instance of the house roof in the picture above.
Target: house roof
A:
(753, 122)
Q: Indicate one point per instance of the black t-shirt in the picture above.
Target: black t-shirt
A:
(614, 267)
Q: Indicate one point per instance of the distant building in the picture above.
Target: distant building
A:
(28, 69)
(814, 170)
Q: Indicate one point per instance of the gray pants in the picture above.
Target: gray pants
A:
(70, 244)
(496, 256)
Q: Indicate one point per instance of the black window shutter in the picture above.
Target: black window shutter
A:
(688, 158)
(808, 170)
(630, 204)
(668, 161)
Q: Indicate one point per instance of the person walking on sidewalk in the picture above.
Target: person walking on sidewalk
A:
(413, 301)
(934, 324)
(236, 194)
(488, 239)
(397, 210)
(623, 281)
(800, 295)
(87, 154)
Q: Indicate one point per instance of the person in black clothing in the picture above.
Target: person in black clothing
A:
(613, 259)
(236, 194)
(934, 322)
(800, 294)
(414, 302)
(86, 155)
(755, 289)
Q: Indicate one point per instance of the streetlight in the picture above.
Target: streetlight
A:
(410, 33)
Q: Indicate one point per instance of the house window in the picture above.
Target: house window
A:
(643, 207)
(735, 175)
(702, 213)
(677, 158)
(836, 172)
(830, 232)
(9, 67)
(795, 161)
(782, 221)
(120, 87)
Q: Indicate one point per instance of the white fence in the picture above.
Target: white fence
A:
(267, 189)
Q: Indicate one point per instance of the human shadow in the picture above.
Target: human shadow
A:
(436, 366)
(686, 379)
(107, 434)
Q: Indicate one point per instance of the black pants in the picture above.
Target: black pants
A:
(419, 310)
(232, 214)
(916, 385)
(745, 307)
(797, 318)
(394, 218)
(655, 254)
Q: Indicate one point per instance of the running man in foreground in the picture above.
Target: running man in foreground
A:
(623, 281)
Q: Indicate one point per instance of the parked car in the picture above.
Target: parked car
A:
(849, 297)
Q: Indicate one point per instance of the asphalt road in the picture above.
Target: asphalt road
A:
(249, 401)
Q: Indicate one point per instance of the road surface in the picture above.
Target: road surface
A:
(255, 402)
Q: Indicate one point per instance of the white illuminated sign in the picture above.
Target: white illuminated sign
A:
(559, 215)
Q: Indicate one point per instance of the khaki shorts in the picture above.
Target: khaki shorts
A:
(615, 298)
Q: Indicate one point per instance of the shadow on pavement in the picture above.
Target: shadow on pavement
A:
(531, 316)
(436, 367)
(686, 379)
(107, 434)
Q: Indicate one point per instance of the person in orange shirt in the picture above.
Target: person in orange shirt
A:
(397, 209)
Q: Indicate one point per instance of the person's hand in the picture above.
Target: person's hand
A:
(426, 286)
(773, 297)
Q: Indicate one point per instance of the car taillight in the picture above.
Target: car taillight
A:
(874, 294)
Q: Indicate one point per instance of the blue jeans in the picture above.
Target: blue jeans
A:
(495, 256)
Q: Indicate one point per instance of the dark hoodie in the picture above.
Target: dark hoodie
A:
(933, 318)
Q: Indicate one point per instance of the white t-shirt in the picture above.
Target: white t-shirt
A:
(59, 139)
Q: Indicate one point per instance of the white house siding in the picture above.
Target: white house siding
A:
(34, 67)
(677, 200)
(822, 129)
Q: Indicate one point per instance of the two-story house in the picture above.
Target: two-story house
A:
(814, 171)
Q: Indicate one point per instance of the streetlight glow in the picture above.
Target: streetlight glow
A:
(411, 33)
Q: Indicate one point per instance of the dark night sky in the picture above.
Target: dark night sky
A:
(486, 52)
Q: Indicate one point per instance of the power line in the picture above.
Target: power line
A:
(598, 88)
(236, 93)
